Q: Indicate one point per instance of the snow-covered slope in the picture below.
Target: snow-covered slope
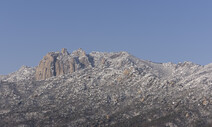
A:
(117, 90)
(24, 73)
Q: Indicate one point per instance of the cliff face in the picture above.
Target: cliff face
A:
(46, 68)
(56, 63)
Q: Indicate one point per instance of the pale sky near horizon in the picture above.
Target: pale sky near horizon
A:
(155, 30)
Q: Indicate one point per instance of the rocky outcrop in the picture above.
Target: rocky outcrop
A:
(64, 51)
(56, 63)
(46, 68)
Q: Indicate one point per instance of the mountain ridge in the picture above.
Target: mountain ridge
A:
(149, 63)
(111, 89)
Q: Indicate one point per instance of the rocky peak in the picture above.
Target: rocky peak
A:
(64, 51)
(55, 63)
(80, 53)
(46, 68)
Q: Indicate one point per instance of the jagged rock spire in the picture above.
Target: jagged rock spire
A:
(64, 51)
(80, 52)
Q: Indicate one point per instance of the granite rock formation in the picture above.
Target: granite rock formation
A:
(56, 63)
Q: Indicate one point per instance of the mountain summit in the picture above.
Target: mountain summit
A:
(106, 89)
(60, 63)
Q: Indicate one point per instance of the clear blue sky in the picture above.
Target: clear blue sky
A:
(155, 30)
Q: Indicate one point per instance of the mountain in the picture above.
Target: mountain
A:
(106, 89)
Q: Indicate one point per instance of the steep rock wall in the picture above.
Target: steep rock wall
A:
(56, 63)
